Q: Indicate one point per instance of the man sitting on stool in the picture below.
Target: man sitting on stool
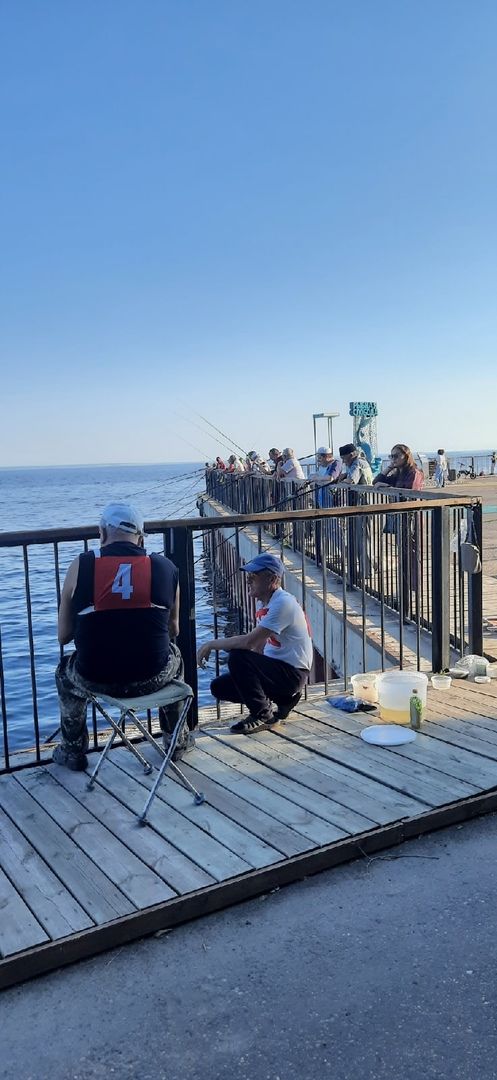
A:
(120, 606)
(272, 662)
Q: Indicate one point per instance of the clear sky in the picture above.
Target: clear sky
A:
(249, 209)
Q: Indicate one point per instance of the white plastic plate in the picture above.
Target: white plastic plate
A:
(387, 735)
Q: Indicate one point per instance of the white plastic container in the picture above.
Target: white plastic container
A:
(364, 687)
(441, 682)
(395, 691)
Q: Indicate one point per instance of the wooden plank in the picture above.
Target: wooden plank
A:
(140, 884)
(91, 888)
(200, 848)
(448, 760)
(54, 907)
(260, 784)
(298, 782)
(18, 927)
(170, 864)
(233, 837)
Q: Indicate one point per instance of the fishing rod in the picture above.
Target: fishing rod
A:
(223, 433)
(188, 420)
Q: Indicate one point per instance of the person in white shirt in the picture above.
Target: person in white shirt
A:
(272, 662)
(441, 469)
(291, 468)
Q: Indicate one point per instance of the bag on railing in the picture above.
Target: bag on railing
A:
(470, 557)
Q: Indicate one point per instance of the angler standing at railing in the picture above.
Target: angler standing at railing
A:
(291, 468)
(120, 606)
(272, 662)
(328, 471)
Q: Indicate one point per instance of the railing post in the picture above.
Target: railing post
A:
(475, 591)
(440, 585)
(181, 553)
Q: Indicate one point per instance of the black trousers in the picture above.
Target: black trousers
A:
(256, 681)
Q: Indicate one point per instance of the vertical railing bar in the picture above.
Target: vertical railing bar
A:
(400, 584)
(417, 570)
(213, 537)
(324, 579)
(363, 527)
(383, 538)
(57, 585)
(304, 596)
(455, 526)
(343, 522)
(3, 703)
(31, 650)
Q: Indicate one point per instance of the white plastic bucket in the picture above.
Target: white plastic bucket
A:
(395, 691)
(364, 687)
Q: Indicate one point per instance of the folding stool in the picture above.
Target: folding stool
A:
(173, 692)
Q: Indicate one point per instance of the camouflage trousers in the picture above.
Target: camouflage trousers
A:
(74, 693)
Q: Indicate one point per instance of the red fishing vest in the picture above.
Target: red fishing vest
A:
(122, 582)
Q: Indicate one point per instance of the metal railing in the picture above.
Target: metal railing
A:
(385, 558)
(383, 572)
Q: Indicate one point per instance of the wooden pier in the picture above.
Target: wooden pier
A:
(78, 875)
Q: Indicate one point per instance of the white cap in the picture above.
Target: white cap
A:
(321, 450)
(122, 516)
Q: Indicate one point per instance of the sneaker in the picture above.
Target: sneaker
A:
(250, 724)
(185, 743)
(284, 708)
(75, 760)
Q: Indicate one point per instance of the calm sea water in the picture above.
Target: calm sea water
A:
(58, 497)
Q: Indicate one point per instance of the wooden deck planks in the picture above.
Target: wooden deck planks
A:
(18, 927)
(450, 760)
(361, 793)
(53, 906)
(82, 877)
(134, 879)
(73, 860)
(266, 791)
(233, 837)
(409, 777)
(195, 843)
(170, 864)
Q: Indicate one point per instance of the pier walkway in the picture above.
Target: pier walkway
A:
(78, 875)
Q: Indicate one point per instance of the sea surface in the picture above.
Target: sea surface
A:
(39, 498)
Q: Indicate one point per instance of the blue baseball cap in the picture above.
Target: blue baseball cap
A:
(265, 562)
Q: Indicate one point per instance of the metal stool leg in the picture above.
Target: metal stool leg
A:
(198, 797)
(117, 729)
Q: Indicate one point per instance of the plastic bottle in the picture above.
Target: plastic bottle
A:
(415, 710)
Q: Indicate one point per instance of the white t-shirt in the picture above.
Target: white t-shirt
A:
(290, 640)
(293, 469)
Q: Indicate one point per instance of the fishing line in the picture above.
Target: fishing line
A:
(188, 420)
(223, 433)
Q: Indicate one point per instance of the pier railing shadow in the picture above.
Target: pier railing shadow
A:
(399, 553)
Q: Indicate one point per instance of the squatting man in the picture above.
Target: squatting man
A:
(270, 665)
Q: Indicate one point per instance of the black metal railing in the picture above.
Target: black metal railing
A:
(381, 581)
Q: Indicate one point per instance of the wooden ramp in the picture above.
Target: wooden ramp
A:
(79, 875)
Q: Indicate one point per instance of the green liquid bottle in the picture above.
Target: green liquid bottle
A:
(415, 710)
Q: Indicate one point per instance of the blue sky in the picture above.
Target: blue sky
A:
(249, 210)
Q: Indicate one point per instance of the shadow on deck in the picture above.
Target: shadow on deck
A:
(78, 875)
